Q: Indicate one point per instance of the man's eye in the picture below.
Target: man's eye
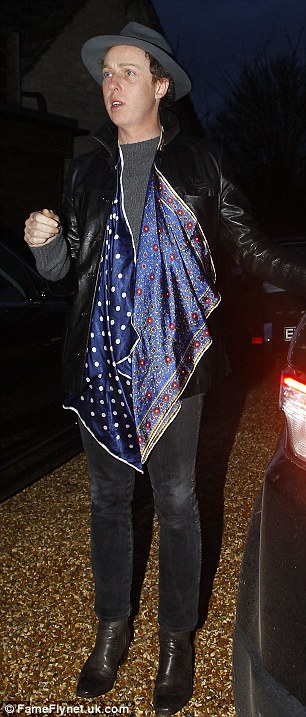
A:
(130, 73)
(106, 74)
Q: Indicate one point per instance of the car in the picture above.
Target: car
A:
(279, 311)
(260, 318)
(269, 640)
(37, 435)
(28, 310)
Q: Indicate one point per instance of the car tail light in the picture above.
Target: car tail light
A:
(293, 403)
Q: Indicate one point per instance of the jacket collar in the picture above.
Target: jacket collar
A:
(108, 134)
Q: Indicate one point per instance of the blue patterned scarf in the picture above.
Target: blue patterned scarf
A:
(149, 328)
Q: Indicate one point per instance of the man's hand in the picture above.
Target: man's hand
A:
(41, 228)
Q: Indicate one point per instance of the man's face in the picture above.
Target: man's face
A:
(130, 95)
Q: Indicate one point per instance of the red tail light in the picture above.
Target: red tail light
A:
(293, 383)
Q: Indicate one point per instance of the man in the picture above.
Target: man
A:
(145, 219)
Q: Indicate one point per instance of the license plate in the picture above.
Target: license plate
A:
(288, 332)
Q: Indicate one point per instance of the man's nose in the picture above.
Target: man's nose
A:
(113, 82)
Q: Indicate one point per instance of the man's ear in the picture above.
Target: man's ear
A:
(161, 87)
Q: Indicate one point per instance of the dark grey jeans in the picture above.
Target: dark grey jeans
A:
(171, 468)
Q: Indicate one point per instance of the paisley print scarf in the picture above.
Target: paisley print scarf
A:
(149, 326)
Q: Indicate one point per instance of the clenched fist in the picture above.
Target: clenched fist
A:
(41, 228)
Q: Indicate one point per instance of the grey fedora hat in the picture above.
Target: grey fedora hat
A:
(138, 36)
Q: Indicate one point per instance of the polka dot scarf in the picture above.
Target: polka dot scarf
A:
(149, 327)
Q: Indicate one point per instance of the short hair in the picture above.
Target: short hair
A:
(158, 72)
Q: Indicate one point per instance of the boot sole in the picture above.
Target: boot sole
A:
(167, 711)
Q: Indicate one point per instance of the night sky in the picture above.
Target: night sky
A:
(211, 38)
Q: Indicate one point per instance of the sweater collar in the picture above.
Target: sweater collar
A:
(108, 134)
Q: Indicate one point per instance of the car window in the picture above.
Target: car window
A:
(16, 278)
(10, 289)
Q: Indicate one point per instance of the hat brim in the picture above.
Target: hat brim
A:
(95, 49)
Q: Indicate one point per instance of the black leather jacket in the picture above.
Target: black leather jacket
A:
(197, 175)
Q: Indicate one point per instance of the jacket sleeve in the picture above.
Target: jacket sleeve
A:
(64, 283)
(251, 249)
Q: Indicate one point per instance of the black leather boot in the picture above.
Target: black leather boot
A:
(173, 686)
(99, 671)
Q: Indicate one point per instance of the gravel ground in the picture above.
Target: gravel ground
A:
(47, 595)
